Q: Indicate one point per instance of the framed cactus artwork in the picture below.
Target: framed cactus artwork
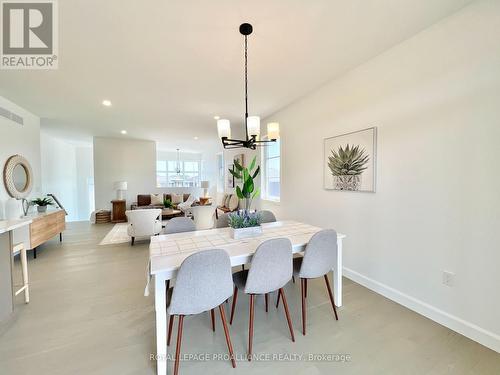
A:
(350, 161)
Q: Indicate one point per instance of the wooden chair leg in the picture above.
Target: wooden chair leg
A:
(213, 319)
(133, 240)
(226, 332)
(278, 300)
(305, 288)
(178, 348)
(303, 298)
(331, 297)
(170, 326)
(267, 300)
(235, 297)
(250, 328)
(287, 313)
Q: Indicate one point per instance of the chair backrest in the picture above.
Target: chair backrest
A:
(222, 221)
(271, 266)
(320, 254)
(143, 221)
(203, 217)
(204, 281)
(179, 224)
(267, 216)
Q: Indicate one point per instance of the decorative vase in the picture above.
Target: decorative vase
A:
(347, 182)
(41, 209)
(249, 232)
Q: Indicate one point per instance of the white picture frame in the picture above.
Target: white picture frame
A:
(336, 162)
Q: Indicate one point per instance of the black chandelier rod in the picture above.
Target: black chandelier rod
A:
(246, 86)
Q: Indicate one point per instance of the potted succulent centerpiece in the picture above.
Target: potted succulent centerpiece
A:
(42, 203)
(347, 165)
(244, 223)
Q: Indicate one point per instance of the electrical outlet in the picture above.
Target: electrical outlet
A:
(448, 278)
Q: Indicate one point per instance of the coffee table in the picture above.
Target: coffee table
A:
(168, 213)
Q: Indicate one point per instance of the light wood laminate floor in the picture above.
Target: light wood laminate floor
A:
(87, 315)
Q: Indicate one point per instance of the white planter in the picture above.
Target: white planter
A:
(240, 233)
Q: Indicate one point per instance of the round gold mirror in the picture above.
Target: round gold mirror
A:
(18, 177)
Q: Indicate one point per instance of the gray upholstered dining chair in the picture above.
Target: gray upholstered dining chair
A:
(267, 216)
(203, 283)
(271, 270)
(319, 258)
(222, 221)
(179, 224)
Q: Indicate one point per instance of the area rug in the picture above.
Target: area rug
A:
(118, 234)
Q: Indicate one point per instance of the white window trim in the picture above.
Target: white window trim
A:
(264, 195)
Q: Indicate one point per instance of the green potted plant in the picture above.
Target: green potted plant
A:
(167, 203)
(248, 191)
(346, 165)
(244, 223)
(42, 203)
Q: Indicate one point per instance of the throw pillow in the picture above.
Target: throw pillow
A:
(177, 198)
(228, 198)
(223, 201)
(233, 202)
(157, 199)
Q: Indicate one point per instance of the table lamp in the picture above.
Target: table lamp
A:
(120, 187)
(205, 185)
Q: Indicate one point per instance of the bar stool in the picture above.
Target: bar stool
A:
(24, 264)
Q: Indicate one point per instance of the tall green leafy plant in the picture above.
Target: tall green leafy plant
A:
(246, 176)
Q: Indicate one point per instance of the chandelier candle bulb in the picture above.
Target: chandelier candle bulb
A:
(224, 128)
(273, 130)
(253, 126)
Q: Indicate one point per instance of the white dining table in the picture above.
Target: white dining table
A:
(167, 252)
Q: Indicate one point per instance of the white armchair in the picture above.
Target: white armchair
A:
(185, 206)
(203, 216)
(142, 223)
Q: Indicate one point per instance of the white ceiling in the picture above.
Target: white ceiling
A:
(169, 66)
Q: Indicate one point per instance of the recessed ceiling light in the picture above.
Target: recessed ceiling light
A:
(195, 138)
(216, 117)
(123, 132)
(106, 103)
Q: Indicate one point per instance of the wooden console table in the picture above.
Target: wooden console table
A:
(45, 226)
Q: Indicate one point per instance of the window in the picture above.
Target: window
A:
(272, 167)
(186, 173)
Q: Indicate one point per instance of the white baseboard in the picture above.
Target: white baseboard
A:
(470, 330)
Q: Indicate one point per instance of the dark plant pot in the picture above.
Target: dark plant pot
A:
(41, 209)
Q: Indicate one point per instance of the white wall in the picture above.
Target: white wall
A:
(133, 161)
(84, 181)
(19, 139)
(60, 173)
(66, 169)
(436, 101)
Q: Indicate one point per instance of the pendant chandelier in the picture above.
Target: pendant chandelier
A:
(252, 123)
(178, 169)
